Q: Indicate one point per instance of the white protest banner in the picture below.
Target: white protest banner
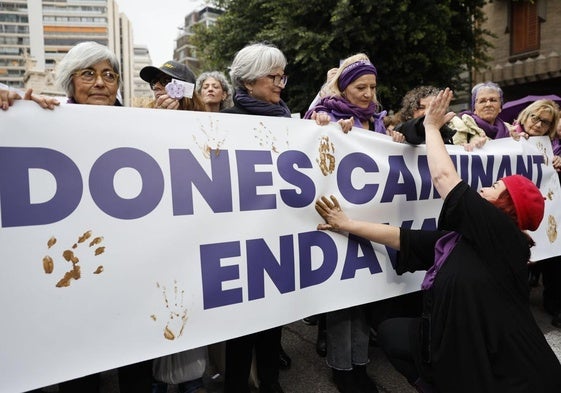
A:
(127, 234)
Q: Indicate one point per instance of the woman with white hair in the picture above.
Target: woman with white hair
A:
(473, 128)
(89, 74)
(257, 73)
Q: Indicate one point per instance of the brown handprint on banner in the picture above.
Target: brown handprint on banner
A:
(71, 255)
(176, 312)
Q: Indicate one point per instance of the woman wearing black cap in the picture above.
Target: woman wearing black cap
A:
(169, 94)
(477, 333)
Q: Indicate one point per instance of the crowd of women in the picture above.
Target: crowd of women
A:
(469, 328)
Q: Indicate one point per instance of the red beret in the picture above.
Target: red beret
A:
(528, 201)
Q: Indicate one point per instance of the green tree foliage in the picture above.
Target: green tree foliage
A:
(411, 42)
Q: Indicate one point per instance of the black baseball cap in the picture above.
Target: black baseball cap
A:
(171, 68)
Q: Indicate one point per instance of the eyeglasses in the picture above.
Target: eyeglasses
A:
(89, 75)
(163, 80)
(278, 79)
(492, 100)
(535, 119)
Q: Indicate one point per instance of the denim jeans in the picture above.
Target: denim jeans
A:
(348, 334)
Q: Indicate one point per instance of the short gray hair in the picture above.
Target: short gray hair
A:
(485, 85)
(83, 55)
(255, 61)
(221, 78)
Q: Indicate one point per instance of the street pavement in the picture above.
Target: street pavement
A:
(310, 374)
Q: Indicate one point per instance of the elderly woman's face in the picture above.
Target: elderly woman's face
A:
(487, 104)
(212, 91)
(99, 90)
(538, 123)
(268, 88)
(361, 91)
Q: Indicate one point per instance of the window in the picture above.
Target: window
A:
(525, 28)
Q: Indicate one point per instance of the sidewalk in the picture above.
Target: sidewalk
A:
(310, 374)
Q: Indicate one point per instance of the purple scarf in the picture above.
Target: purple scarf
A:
(260, 107)
(556, 144)
(340, 108)
(494, 131)
(442, 250)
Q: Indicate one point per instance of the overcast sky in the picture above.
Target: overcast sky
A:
(155, 23)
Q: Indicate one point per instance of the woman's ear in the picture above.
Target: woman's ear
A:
(248, 86)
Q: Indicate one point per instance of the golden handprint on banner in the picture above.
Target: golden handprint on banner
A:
(326, 158)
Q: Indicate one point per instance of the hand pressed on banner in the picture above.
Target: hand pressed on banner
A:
(331, 212)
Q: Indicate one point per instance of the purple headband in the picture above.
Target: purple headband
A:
(354, 71)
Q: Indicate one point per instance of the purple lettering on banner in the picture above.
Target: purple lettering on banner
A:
(426, 182)
(481, 173)
(306, 242)
(539, 161)
(524, 168)
(355, 261)
(260, 259)
(399, 170)
(505, 167)
(15, 199)
(186, 172)
(527, 169)
(249, 180)
(344, 178)
(285, 166)
(213, 274)
(102, 188)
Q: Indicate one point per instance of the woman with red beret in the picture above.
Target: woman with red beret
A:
(477, 333)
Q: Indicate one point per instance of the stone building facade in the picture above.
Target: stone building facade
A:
(526, 47)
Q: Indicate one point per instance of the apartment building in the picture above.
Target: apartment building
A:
(185, 52)
(526, 48)
(14, 41)
(36, 34)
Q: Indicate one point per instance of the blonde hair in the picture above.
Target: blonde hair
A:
(538, 107)
(332, 87)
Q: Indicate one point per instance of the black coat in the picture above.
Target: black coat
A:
(480, 333)
(414, 131)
